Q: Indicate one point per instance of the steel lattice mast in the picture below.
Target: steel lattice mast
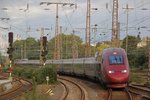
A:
(148, 45)
(57, 42)
(57, 36)
(115, 29)
(87, 48)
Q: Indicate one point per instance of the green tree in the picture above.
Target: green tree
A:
(142, 58)
(32, 48)
(40, 75)
(0, 55)
(65, 45)
(18, 45)
(132, 43)
(102, 45)
(131, 49)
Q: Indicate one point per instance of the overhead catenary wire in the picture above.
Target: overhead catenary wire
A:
(141, 20)
(67, 18)
(19, 29)
(136, 7)
(142, 4)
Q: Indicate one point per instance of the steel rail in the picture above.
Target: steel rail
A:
(110, 94)
(5, 94)
(82, 91)
(129, 94)
(21, 86)
(66, 89)
(139, 90)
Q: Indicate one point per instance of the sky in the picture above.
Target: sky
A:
(25, 22)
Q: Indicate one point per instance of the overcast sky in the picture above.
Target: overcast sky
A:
(71, 18)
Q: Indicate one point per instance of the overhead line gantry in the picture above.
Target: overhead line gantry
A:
(57, 38)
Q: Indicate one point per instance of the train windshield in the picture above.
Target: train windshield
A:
(116, 59)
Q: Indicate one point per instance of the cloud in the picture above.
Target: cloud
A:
(37, 17)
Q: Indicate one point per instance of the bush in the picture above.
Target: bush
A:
(37, 75)
(40, 75)
(18, 71)
(27, 73)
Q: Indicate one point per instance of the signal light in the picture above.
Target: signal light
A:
(114, 53)
(10, 35)
(44, 41)
(10, 50)
(10, 56)
(44, 59)
(44, 51)
(43, 54)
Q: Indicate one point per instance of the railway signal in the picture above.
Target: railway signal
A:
(44, 49)
(10, 51)
(10, 40)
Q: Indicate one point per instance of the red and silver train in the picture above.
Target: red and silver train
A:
(114, 69)
(111, 68)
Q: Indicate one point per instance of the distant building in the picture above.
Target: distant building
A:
(143, 43)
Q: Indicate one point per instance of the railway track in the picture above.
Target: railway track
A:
(141, 91)
(80, 94)
(119, 95)
(17, 90)
(66, 91)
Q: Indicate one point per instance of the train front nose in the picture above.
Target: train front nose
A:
(118, 76)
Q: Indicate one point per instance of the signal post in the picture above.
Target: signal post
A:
(148, 44)
(10, 53)
(44, 50)
(149, 67)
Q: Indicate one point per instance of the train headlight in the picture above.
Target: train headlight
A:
(124, 71)
(111, 71)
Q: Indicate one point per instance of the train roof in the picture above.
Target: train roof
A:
(112, 50)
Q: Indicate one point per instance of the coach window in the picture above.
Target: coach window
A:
(102, 60)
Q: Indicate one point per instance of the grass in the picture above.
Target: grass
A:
(36, 94)
(136, 78)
